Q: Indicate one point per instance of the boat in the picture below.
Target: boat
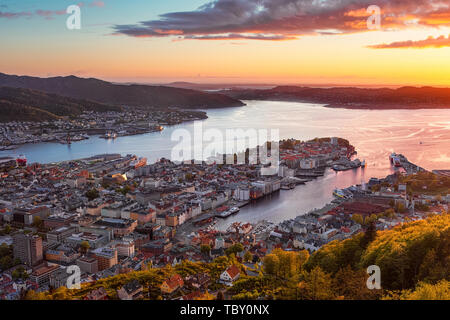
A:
(363, 164)
(338, 167)
(338, 193)
(110, 135)
(342, 194)
(223, 214)
(21, 160)
(234, 210)
(138, 162)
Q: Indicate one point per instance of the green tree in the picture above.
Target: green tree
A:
(92, 194)
(205, 249)
(248, 257)
(235, 249)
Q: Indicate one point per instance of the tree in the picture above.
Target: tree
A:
(37, 222)
(205, 249)
(220, 296)
(356, 217)
(20, 273)
(235, 248)
(317, 285)
(271, 264)
(92, 194)
(427, 291)
(85, 246)
(389, 213)
(248, 256)
(7, 229)
(369, 235)
(351, 284)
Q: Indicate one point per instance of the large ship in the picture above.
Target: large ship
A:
(21, 160)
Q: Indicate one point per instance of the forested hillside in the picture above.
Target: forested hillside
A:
(31, 105)
(414, 260)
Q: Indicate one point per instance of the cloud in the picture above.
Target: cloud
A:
(430, 42)
(287, 19)
(13, 15)
(47, 14)
(237, 36)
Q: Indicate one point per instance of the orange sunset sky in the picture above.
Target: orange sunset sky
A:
(234, 41)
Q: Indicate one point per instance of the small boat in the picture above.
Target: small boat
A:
(339, 193)
(234, 210)
(338, 167)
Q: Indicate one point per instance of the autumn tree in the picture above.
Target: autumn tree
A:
(369, 235)
(271, 264)
(85, 247)
(317, 285)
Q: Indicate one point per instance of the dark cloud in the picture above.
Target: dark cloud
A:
(286, 19)
(430, 42)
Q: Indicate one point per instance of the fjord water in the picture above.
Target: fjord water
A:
(421, 135)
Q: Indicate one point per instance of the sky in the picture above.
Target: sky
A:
(323, 42)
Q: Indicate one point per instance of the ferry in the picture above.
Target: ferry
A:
(227, 213)
(342, 194)
(21, 160)
(223, 214)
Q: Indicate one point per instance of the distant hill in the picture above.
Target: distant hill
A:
(117, 94)
(352, 98)
(18, 104)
